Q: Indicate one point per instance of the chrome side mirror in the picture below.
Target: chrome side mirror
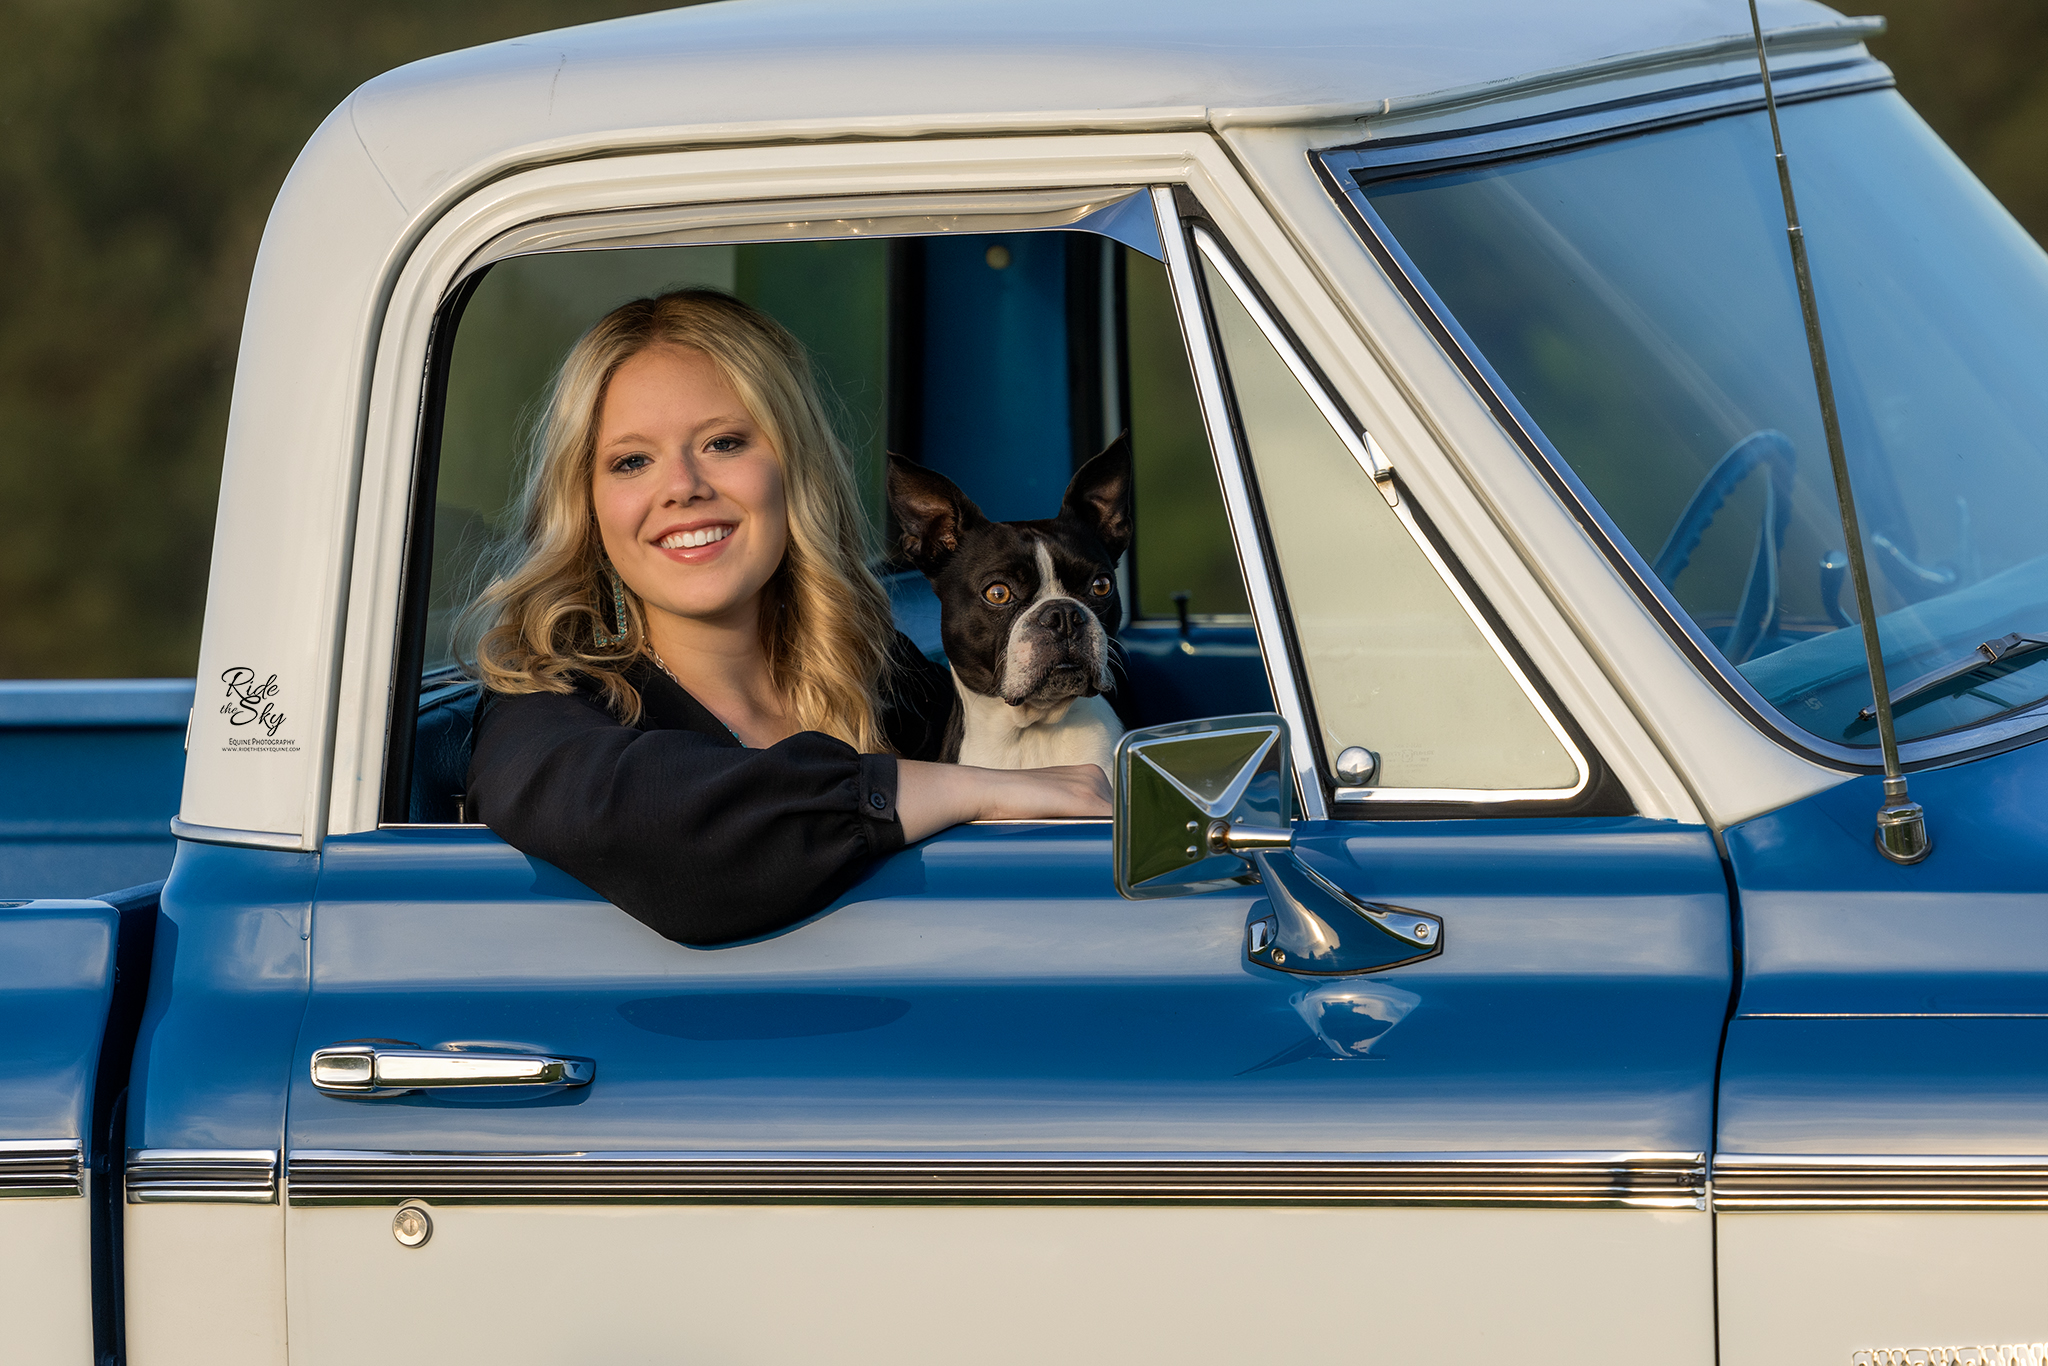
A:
(1205, 805)
(1191, 796)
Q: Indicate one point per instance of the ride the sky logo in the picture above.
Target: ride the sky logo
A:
(250, 703)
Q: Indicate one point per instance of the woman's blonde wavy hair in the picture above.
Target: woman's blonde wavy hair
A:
(825, 621)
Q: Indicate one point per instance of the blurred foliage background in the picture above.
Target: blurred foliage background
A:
(141, 144)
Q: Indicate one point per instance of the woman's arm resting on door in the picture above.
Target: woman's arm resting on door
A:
(930, 797)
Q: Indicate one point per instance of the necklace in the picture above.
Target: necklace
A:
(662, 665)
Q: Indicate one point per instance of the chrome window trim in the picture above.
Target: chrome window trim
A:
(1750, 1183)
(1606, 1180)
(212, 1176)
(1374, 465)
(1274, 645)
(41, 1168)
(1334, 168)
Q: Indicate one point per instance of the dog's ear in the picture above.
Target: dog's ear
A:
(931, 514)
(1100, 496)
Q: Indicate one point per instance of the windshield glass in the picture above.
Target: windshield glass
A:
(1637, 296)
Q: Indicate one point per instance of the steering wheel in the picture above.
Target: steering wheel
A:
(1759, 605)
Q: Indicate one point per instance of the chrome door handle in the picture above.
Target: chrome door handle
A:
(374, 1069)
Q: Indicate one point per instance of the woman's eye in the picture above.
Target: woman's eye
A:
(626, 464)
(1100, 588)
(724, 445)
(996, 594)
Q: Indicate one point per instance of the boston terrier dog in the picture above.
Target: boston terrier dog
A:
(1026, 612)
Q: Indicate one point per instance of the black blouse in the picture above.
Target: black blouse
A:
(677, 823)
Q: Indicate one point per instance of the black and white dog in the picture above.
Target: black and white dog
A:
(1026, 612)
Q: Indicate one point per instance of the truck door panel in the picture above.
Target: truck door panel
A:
(918, 1086)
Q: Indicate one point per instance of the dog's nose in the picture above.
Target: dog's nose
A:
(1062, 618)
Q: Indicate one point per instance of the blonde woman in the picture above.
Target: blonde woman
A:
(695, 700)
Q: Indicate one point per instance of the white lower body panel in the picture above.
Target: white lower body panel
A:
(1820, 1286)
(46, 1281)
(904, 1284)
(205, 1284)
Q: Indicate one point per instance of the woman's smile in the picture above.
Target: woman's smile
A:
(695, 544)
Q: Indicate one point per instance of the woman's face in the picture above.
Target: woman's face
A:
(688, 492)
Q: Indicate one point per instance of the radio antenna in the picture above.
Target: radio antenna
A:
(1901, 824)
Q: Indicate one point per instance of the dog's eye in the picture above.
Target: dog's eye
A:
(997, 594)
(1100, 588)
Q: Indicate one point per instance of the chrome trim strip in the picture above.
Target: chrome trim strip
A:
(1251, 555)
(33, 1168)
(233, 1176)
(1880, 1182)
(252, 839)
(1536, 1180)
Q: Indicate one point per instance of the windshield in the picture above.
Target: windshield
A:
(1637, 297)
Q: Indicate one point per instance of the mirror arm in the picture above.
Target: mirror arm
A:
(1315, 928)
(1225, 838)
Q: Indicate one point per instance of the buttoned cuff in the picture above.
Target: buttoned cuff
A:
(878, 802)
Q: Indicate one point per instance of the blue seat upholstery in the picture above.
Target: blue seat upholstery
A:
(440, 755)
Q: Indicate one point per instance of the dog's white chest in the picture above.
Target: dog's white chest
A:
(998, 735)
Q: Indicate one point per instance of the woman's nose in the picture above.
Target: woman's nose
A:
(687, 483)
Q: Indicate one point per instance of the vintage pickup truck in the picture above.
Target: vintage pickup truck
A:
(1491, 957)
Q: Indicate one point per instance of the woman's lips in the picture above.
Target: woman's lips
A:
(697, 544)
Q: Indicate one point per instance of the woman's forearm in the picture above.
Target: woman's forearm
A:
(930, 797)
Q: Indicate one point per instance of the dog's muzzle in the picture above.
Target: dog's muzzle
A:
(1056, 654)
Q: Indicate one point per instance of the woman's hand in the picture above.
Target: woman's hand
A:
(930, 797)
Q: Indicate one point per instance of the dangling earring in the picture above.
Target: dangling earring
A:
(612, 640)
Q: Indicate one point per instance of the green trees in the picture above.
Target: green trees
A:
(141, 144)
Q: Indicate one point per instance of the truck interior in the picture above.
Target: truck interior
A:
(1001, 359)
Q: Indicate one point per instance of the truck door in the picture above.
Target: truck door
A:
(985, 1107)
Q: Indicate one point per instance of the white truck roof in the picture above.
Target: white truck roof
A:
(774, 69)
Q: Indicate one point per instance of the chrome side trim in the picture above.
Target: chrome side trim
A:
(251, 839)
(1537, 1180)
(1799, 1182)
(36, 1167)
(233, 1176)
